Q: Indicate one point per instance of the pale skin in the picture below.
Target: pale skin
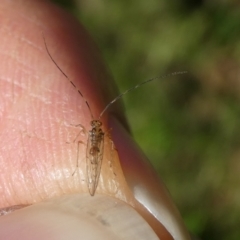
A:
(39, 108)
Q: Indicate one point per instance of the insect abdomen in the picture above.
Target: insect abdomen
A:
(94, 158)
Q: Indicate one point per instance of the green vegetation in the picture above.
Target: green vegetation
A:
(190, 128)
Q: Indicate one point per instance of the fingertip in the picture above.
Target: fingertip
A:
(76, 217)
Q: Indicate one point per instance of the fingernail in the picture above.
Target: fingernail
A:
(147, 187)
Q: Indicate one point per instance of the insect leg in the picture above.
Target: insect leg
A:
(77, 162)
(78, 144)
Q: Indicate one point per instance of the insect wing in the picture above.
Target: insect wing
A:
(94, 162)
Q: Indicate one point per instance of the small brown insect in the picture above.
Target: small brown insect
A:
(95, 144)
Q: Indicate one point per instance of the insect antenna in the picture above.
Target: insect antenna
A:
(66, 76)
(137, 86)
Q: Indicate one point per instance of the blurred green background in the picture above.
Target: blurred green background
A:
(187, 125)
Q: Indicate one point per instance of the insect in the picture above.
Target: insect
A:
(95, 144)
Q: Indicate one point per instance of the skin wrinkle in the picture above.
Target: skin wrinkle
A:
(8, 210)
(33, 182)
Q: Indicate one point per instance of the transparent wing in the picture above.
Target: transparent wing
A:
(94, 162)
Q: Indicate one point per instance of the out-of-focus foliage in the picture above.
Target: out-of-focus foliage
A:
(189, 125)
